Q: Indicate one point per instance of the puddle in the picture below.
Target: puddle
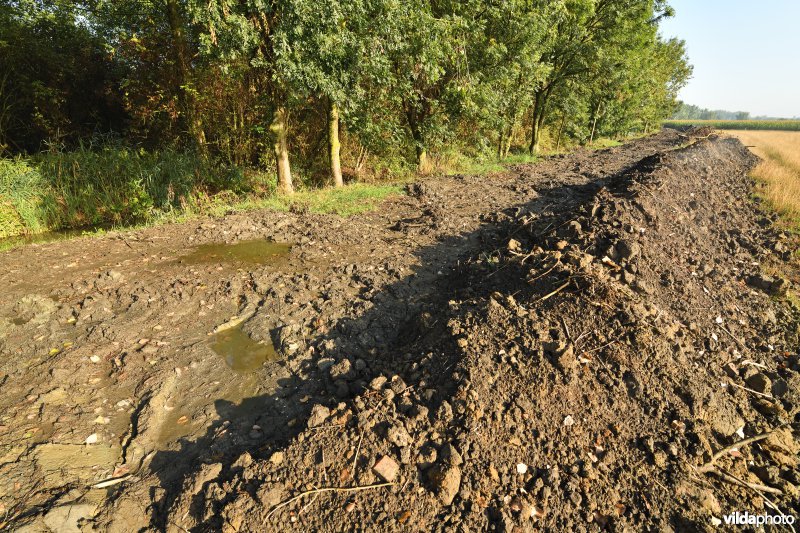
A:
(241, 353)
(254, 252)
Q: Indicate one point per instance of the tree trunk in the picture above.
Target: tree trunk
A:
(334, 148)
(423, 166)
(509, 139)
(536, 122)
(595, 113)
(561, 131)
(279, 128)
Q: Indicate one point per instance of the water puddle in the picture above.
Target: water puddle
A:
(256, 251)
(241, 353)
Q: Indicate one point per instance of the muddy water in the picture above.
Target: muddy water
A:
(250, 252)
(241, 353)
(41, 238)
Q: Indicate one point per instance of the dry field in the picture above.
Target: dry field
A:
(779, 172)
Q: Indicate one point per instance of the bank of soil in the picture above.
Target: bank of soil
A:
(562, 346)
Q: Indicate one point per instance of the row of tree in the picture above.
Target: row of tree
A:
(692, 112)
(245, 81)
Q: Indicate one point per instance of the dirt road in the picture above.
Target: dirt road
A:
(562, 345)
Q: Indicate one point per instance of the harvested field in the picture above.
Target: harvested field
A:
(588, 343)
(779, 169)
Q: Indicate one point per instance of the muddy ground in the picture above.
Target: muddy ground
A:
(564, 346)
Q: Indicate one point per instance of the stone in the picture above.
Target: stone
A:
(514, 245)
(342, 370)
(319, 414)
(378, 383)
(760, 383)
(451, 456)
(398, 436)
(387, 468)
(445, 480)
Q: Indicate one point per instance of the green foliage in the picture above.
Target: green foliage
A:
(107, 186)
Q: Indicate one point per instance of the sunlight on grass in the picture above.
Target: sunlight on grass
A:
(779, 170)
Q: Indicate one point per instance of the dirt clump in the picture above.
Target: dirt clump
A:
(571, 353)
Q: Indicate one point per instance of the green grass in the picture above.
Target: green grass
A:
(783, 125)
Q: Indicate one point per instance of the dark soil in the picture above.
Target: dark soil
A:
(563, 346)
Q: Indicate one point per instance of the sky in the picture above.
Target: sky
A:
(745, 53)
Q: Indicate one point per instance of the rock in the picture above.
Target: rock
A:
(514, 245)
(562, 355)
(398, 436)
(760, 383)
(342, 370)
(319, 414)
(451, 456)
(325, 363)
(445, 481)
(387, 468)
(769, 284)
(378, 383)
(277, 458)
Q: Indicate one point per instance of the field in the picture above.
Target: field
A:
(781, 125)
(779, 172)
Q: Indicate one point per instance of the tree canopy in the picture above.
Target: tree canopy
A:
(325, 84)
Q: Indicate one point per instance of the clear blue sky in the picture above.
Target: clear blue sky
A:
(746, 54)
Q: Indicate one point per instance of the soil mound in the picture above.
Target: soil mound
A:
(588, 343)
(583, 374)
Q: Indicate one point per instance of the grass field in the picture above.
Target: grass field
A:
(779, 172)
(780, 125)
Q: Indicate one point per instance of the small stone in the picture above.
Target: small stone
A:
(342, 370)
(94, 359)
(325, 363)
(91, 439)
(398, 436)
(445, 481)
(514, 245)
(569, 421)
(522, 468)
(387, 468)
(378, 383)
(760, 383)
(451, 456)
(319, 414)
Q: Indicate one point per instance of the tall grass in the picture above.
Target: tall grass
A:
(107, 186)
(779, 170)
(782, 125)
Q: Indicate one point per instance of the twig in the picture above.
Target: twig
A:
(326, 489)
(730, 478)
(355, 458)
(736, 446)
(740, 343)
(111, 482)
(751, 390)
(561, 288)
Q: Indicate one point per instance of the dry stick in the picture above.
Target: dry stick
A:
(725, 476)
(740, 343)
(736, 446)
(325, 489)
(561, 288)
(751, 390)
(355, 458)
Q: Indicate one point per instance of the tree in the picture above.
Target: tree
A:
(251, 30)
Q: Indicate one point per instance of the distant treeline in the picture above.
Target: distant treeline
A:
(692, 112)
(331, 87)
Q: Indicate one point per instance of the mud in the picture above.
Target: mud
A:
(568, 352)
